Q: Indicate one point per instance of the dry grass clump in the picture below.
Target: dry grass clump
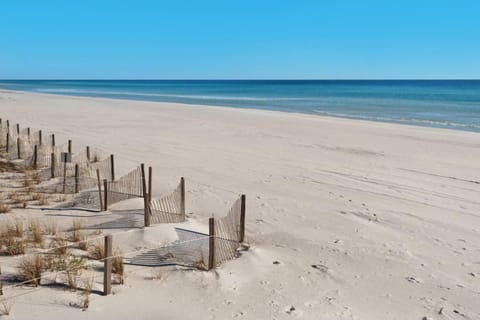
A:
(27, 181)
(60, 246)
(43, 201)
(35, 230)
(5, 307)
(67, 263)
(4, 208)
(201, 264)
(37, 196)
(117, 266)
(12, 229)
(15, 197)
(76, 233)
(73, 269)
(50, 227)
(97, 251)
(8, 166)
(11, 238)
(11, 246)
(83, 245)
(36, 177)
(30, 269)
(88, 286)
(61, 198)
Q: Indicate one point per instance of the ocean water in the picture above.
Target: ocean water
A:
(453, 104)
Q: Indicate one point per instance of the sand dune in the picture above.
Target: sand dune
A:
(363, 220)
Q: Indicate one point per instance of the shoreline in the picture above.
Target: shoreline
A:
(294, 114)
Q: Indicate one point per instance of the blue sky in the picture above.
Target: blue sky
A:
(241, 39)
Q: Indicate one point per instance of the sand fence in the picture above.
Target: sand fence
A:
(93, 186)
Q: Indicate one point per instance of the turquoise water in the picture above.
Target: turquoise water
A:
(453, 104)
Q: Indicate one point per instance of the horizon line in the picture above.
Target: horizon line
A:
(245, 79)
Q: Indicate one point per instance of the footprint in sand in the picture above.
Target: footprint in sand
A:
(413, 280)
(264, 282)
(320, 267)
(238, 314)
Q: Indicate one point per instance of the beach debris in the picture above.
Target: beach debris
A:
(320, 267)
(276, 262)
(290, 309)
(412, 280)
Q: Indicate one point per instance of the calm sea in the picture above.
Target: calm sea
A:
(453, 104)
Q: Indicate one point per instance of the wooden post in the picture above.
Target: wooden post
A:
(88, 153)
(149, 195)
(64, 175)
(182, 196)
(146, 212)
(112, 167)
(76, 178)
(35, 157)
(28, 134)
(8, 124)
(211, 244)
(53, 140)
(40, 137)
(8, 142)
(19, 153)
(18, 129)
(105, 194)
(149, 184)
(107, 266)
(99, 190)
(69, 146)
(242, 218)
(52, 165)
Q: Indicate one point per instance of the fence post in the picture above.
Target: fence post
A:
(18, 129)
(52, 165)
(182, 196)
(19, 153)
(69, 146)
(107, 266)
(53, 140)
(146, 205)
(40, 137)
(8, 141)
(149, 184)
(105, 193)
(8, 125)
(28, 133)
(88, 153)
(242, 217)
(211, 243)
(64, 175)
(35, 157)
(112, 167)
(76, 177)
(99, 190)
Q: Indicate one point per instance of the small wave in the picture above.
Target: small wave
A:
(402, 120)
(167, 95)
(49, 90)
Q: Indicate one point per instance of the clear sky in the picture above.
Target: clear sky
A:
(239, 39)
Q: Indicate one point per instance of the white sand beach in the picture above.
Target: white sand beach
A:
(364, 220)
